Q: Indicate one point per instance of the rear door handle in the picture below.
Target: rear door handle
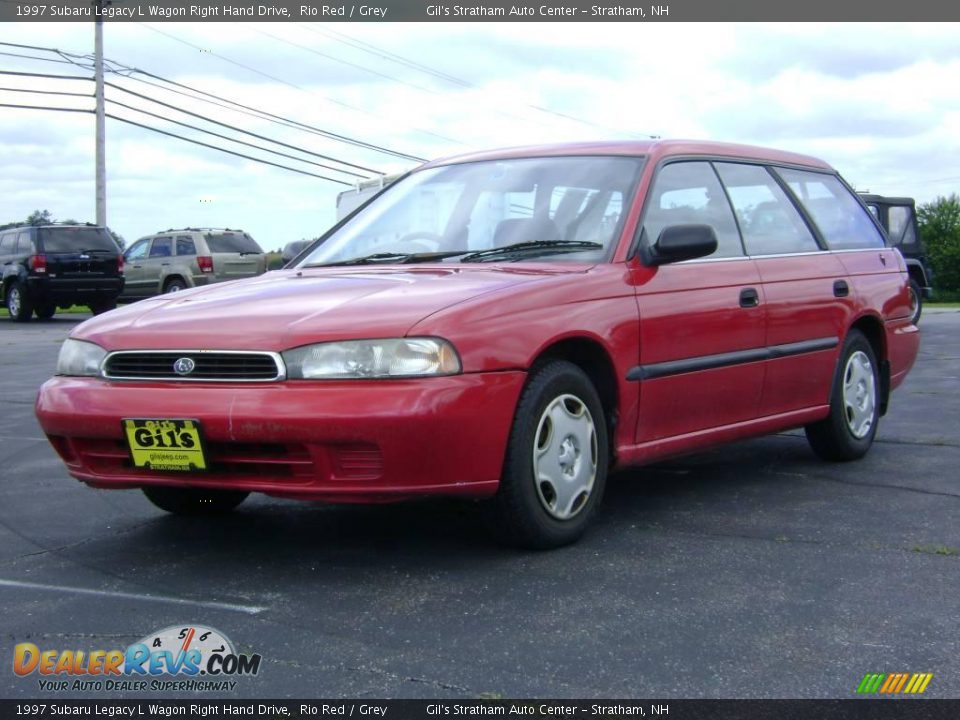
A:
(749, 297)
(840, 288)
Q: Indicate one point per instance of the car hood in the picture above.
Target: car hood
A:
(287, 308)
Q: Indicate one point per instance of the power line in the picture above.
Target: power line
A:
(44, 75)
(229, 152)
(335, 59)
(304, 126)
(179, 137)
(386, 54)
(400, 59)
(234, 140)
(248, 132)
(342, 138)
(45, 107)
(260, 113)
(34, 57)
(45, 92)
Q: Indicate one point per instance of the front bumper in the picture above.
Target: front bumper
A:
(359, 441)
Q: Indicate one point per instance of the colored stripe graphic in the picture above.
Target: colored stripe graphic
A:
(871, 682)
(894, 683)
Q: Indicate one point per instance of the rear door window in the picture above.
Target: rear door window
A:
(25, 244)
(161, 247)
(838, 215)
(689, 193)
(231, 243)
(768, 219)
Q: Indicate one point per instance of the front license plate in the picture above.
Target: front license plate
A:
(160, 444)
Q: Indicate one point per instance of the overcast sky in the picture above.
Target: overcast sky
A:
(881, 103)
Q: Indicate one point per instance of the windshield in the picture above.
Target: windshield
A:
(558, 208)
(76, 239)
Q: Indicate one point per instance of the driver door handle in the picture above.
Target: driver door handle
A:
(749, 298)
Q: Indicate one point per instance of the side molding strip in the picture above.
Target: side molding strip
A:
(711, 362)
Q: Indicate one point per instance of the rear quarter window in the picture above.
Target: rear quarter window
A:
(838, 215)
(7, 243)
(185, 245)
(231, 243)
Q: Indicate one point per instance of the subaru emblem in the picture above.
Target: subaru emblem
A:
(184, 366)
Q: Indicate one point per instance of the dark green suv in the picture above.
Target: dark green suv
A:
(50, 266)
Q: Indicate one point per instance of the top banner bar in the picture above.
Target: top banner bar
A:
(474, 11)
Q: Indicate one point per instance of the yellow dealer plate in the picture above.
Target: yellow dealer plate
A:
(161, 444)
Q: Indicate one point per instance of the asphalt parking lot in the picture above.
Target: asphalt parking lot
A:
(750, 571)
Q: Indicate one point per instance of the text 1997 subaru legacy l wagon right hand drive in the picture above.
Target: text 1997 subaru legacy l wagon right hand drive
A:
(506, 326)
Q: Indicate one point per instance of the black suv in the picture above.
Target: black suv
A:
(50, 266)
(898, 215)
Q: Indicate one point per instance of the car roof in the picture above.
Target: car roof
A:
(654, 149)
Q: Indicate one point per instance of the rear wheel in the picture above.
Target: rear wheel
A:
(102, 307)
(18, 305)
(194, 501)
(556, 464)
(848, 431)
(174, 285)
(916, 301)
(45, 312)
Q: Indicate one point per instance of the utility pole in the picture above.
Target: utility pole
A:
(101, 118)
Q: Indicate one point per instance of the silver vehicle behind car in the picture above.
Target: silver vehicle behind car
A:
(175, 260)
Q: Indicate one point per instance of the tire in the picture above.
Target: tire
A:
(848, 431)
(551, 486)
(102, 307)
(45, 312)
(194, 501)
(916, 300)
(174, 285)
(18, 304)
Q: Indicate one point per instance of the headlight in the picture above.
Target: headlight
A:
(400, 357)
(80, 358)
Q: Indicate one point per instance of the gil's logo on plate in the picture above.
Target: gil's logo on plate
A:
(183, 651)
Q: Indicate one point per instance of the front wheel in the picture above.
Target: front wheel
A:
(556, 464)
(194, 501)
(848, 431)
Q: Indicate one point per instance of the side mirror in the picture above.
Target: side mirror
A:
(683, 242)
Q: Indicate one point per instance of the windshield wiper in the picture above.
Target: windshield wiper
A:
(387, 258)
(534, 247)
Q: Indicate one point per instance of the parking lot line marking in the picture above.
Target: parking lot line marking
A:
(247, 609)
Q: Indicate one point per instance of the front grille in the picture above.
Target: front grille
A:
(207, 366)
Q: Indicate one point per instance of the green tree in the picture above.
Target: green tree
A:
(39, 217)
(940, 228)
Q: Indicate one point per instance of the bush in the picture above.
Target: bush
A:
(940, 228)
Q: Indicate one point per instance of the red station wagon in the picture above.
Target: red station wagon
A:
(506, 326)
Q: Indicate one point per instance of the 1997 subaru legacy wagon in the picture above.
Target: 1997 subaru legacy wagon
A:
(506, 326)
